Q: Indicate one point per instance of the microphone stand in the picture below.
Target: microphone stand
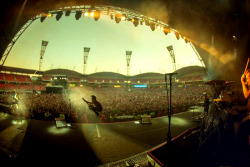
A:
(169, 137)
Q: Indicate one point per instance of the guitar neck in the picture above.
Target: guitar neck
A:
(86, 101)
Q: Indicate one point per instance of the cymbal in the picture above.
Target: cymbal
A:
(218, 100)
(223, 97)
(229, 82)
(215, 82)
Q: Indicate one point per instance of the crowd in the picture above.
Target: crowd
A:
(116, 102)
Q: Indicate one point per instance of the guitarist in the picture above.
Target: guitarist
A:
(94, 105)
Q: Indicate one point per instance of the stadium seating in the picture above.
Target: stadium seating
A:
(10, 78)
(9, 86)
(40, 87)
(28, 79)
(21, 78)
(77, 79)
(2, 86)
(23, 87)
(1, 77)
(70, 79)
(46, 78)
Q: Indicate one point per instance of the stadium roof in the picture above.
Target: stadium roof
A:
(149, 75)
(106, 75)
(62, 72)
(21, 70)
(191, 69)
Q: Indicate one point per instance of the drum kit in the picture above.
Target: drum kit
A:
(225, 97)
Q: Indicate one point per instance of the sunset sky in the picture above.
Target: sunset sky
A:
(108, 43)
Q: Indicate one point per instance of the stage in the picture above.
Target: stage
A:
(89, 144)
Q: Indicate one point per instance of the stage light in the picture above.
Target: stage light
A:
(67, 13)
(177, 35)
(135, 21)
(43, 18)
(59, 15)
(78, 15)
(147, 23)
(186, 39)
(117, 18)
(86, 14)
(92, 14)
(166, 30)
(111, 16)
(123, 17)
(141, 22)
(152, 26)
(159, 27)
(97, 15)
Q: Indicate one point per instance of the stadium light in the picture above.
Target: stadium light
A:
(171, 52)
(128, 58)
(59, 15)
(78, 15)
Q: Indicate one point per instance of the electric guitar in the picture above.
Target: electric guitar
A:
(90, 105)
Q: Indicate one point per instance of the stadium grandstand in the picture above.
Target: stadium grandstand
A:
(12, 78)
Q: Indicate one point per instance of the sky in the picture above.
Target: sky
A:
(108, 43)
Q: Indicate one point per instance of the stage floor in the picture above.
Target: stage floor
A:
(90, 144)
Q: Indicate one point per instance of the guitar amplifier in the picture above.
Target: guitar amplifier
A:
(60, 122)
(146, 119)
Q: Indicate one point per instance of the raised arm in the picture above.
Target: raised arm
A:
(245, 87)
(86, 101)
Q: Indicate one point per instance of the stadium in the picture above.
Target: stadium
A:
(151, 81)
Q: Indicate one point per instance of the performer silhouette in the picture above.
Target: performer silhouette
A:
(94, 105)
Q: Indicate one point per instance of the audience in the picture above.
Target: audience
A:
(115, 101)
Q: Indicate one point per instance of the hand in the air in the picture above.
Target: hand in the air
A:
(243, 79)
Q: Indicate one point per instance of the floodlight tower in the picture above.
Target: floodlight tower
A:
(171, 51)
(128, 55)
(85, 58)
(44, 45)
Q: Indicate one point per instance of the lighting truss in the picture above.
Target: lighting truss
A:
(104, 10)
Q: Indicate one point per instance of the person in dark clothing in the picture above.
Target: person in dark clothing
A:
(206, 104)
(94, 105)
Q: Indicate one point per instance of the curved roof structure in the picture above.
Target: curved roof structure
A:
(106, 75)
(191, 70)
(62, 72)
(195, 23)
(149, 75)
